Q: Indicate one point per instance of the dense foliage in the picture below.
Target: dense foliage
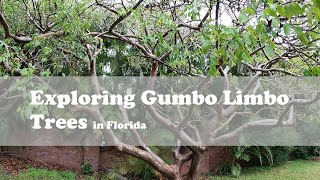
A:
(50, 37)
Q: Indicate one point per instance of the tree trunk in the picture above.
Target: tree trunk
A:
(194, 171)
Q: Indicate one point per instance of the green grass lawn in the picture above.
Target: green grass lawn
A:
(292, 170)
(39, 174)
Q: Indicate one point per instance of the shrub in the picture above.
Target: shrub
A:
(266, 155)
(301, 153)
(316, 151)
(281, 154)
(86, 168)
(246, 154)
(304, 152)
(224, 170)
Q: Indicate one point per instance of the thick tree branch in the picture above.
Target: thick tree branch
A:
(5, 26)
(296, 102)
(250, 125)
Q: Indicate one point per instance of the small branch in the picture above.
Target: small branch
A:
(35, 23)
(122, 17)
(269, 70)
(257, 50)
(106, 7)
(206, 16)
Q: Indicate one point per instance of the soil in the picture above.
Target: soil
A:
(14, 165)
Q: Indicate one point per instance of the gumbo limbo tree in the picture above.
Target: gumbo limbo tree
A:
(164, 38)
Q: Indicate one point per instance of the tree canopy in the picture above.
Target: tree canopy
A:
(184, 37)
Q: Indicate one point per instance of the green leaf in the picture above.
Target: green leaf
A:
(27, 72)
(298, 30)
(260, 28)
(315, 71)
(46, 50)
(288, 11)
(250, 11)
(46, 73)
(2, 59)
(247, 38)
(295, 8)
(271, 12)
(281, 11)
(269, 50)
(316, 3)
(275, 22)
(193, 17)
(206, 45)
(4, 56)
(287, 29)
(245, 56)
(273, 6)
(271, 43)
(236, 170)
(310, 17)
(223, 53)
(213, 70)
(316, 11)
(301, 35)
(239, 53)
(245, 157)
(264, 14)
(304, 39)
(243, 18)
(214, 60)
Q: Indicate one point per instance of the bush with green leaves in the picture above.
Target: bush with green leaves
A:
(246, 154)
(86, 168)
(266, 156)
(304, 152)
(281, 154)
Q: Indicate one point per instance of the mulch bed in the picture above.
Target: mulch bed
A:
(14, 165)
